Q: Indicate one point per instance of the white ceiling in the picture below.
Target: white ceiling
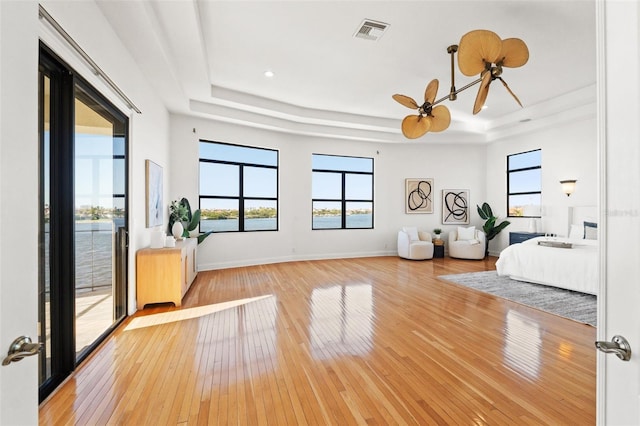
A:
(208, 58)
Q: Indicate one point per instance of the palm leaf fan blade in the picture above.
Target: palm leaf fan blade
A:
(514, 53)
(405, 101)
(441, 118)
(509, 90)
(476, 49)
(431, 91)
(483, 91)
(414, 126)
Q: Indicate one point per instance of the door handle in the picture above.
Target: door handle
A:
(618, 346)
(20, 348)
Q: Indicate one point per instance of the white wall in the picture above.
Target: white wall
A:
(451, 167)
(20, 30)
(148, 132)
(18, 206)
(569, 151)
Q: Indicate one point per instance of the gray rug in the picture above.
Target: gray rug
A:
(566, 303)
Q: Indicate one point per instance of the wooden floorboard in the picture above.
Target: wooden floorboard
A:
(336, 342)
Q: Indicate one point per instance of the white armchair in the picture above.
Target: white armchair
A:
(469, 243)
(414, 245)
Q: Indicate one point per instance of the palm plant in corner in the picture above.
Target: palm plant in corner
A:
(180, 211)
(490, 228)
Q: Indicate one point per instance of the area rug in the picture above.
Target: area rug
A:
(566, 303)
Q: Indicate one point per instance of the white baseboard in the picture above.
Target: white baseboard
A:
(291, 258)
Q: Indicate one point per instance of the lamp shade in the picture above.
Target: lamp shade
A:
(568, 186)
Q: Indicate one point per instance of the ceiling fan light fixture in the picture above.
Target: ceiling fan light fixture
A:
(481, 53)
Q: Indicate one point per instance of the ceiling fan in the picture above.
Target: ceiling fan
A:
(479, 52)
(429, 118)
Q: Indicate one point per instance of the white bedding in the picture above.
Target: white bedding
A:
(574, 269)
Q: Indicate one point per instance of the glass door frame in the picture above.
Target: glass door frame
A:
(63, 82)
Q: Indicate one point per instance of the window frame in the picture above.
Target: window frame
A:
(241, 199)
(343, 199)
(520, 170)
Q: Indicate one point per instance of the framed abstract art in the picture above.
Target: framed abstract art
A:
(419, 195)
(153, 199)
(455, 206)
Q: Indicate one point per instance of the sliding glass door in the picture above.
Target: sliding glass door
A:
(83, 223)
(99, 183)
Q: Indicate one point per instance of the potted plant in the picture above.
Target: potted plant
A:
(437, 232)
(490, 228)
(180, 213)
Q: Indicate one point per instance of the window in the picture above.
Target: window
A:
(524, 184)
(342, 193)
(238, 188)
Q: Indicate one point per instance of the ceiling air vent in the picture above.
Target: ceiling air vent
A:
(371, 30)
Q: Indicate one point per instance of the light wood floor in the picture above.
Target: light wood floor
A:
(354, 341)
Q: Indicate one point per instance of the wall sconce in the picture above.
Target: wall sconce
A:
(568, 186)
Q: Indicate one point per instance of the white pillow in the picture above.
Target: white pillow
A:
(412, 231)
(466, 234)
(590, 232)
(576, 232)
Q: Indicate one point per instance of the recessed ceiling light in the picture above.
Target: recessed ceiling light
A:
(269, 73)
(485, 106)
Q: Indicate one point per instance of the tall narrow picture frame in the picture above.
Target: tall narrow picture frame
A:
(418, 195)
(153, 194)
(455, 206)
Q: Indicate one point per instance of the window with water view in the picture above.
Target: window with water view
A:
(238, 188)
(342, 192)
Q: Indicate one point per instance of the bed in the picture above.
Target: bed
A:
(574, 268)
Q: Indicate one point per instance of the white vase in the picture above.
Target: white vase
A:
(177, 229)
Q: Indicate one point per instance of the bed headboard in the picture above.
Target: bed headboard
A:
(581, 214)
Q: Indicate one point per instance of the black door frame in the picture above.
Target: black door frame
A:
(63, 81)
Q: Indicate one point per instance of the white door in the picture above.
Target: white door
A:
(619, 303)
(18, 206)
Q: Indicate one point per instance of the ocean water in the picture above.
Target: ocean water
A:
(319, 222)
(94, 251)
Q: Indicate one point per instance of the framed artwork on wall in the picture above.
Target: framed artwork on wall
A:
(455, 206)
(419, 195)
(153, 194)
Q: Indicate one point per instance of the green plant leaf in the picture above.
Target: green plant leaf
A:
(204, 235)
(195, 220)
(490, 228)
(485, 211)
(481, 213)
(185, 203)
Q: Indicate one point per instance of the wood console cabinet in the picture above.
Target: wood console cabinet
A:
(165, 274)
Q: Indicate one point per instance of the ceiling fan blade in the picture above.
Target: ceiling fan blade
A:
(477, 48)
(509, 90)
(406, 101)
(431, 91)
(514, 52)
(441, 118)
(482, 92)
(414, 126)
